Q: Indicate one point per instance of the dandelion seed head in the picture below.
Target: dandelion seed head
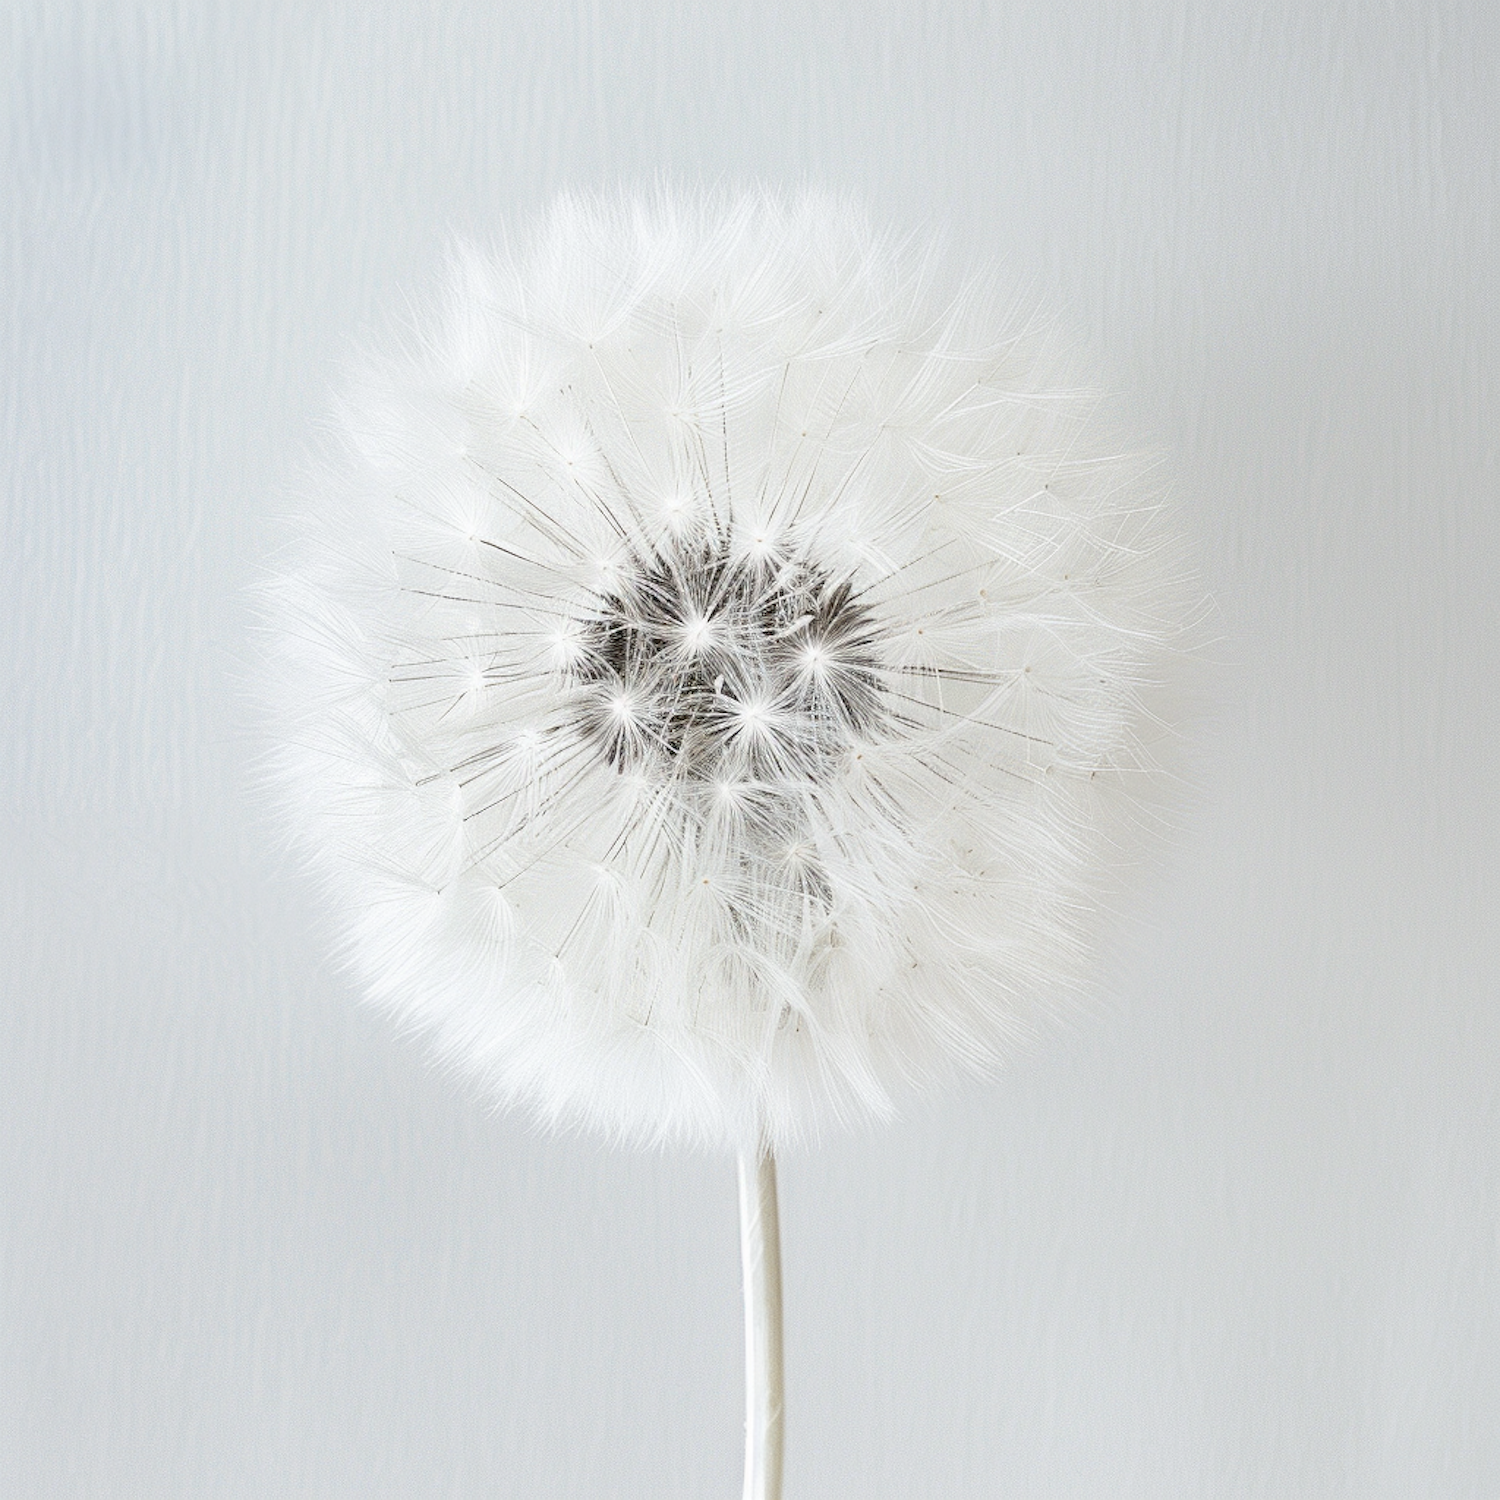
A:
(720, 679)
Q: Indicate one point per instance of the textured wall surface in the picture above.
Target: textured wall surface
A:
(1236, 1236)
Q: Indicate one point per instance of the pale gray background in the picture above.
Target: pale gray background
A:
(1235, 1237)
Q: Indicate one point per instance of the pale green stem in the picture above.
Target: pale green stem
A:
(760, 1252)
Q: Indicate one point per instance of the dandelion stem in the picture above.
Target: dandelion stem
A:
(760, 1248)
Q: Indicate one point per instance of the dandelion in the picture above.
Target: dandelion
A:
(717, 676)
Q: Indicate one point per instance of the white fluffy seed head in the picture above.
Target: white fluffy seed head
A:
(717, 680)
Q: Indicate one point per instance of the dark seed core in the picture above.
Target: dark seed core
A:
(703, 667)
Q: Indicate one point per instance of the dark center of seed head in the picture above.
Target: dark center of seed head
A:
(704, 667)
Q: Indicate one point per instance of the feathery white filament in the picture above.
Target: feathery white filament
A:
(717, 676)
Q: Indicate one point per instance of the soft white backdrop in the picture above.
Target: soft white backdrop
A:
(1236, 1236)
